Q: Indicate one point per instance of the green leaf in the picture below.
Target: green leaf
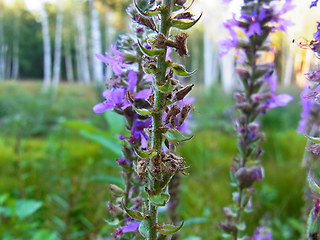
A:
(150, 52)
(115, 122)
(183, 25)
(110, 144)
(81, 126)
(314, 139)
(174, 135)
(180, 70)
(114, 222)
(169, 229)
(144, 229)
(3, 198)
(160, 200)
(167, 87)
(313, 186)
(107, 179)
(26, 207)
(176, 8)
(149, 13)
(144, 154)
(241, 226)
(44, 234)
(133, 213)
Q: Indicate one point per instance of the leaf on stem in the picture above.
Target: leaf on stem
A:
(167, 87)
(144, 229)
(159, 200)
(174, 135)
(133, 213)
(180, 70)
(169, 229)
(150, 52)
(314, 139)
(149, 13)
(144, 154)
(183, 25)
(313, 185)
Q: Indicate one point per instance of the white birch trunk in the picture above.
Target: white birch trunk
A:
(228, 72)
(4, 51)
(96, 43)
(46, 48)
(57, 49)
(78, 60)
(209, 65)
(8, 65)
(15, 61)
(83, 46)
(1, 47)
(68, 61)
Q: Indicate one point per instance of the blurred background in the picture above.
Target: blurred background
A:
(57, 157)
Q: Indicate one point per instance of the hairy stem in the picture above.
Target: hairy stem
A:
(159, 104)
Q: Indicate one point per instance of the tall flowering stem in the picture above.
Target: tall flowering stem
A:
(310, 125)
(258, 19)
(156, 119)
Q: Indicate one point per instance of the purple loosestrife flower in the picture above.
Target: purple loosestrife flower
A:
(314, 3)
(262, 233)
(116, 62)
(131, 227)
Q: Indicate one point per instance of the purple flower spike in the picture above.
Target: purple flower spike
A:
(262, 233)
(131, 227)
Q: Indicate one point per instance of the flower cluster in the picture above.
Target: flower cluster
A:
(156, 107)
(258, 19)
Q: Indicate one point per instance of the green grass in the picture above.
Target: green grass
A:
(43, 159)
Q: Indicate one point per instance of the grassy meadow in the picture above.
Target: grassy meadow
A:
(57, 158)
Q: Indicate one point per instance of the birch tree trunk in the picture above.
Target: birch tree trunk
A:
(57, 49)
(1, 45)
(68, 61)
(227, 71)
(83, 46)
(15, 60)
(95, 43)
(46, 48)
(210, 65)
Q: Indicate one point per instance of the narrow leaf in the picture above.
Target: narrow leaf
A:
(313, 185)
(174, 135)
(144, 229)
(167, 87)
(149, 13)
(144, 154)
(133, 213)
(159, 200)
(141, 111)
(183, 25)
(314, 139)
(169, 229)
(176, 8)
(150, 52)
(180, 70)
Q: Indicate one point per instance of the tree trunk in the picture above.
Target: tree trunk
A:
(68, 61)
(96, 43)
(57, 49)
(15, 60)
(83, 46)
(210, 66)
(46, 48)
(227, 72)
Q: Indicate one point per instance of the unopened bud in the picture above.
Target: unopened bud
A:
(115, 190)
(247, 176)
(114, 210)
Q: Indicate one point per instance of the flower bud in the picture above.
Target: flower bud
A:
(114, 210)
(313, 226)
(115, 190)
(247, 176)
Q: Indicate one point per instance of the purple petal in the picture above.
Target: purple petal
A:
(144, 94)
(102, 58)
(144, 142)
(254, 28)
(272, 80)
(132, 80)
(169, 51)
(280, 100)
(131, 227)
(101, 107)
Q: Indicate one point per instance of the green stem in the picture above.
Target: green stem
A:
(159, 104)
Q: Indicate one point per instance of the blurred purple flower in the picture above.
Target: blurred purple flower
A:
(232, 42)
(131, 227)
(280, 100)
(138, 133)
(132, 80)
(307, 105)
(314, 3)
(262, 233)
(115, 98)
(115, 61)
